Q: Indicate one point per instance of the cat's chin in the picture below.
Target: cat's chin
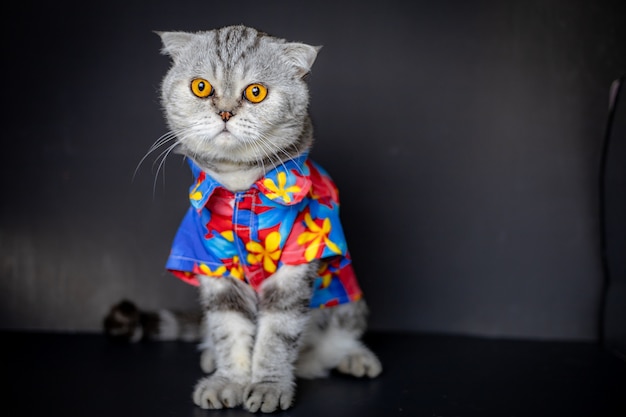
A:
(225, 140)
(224, 145)
(223, 153)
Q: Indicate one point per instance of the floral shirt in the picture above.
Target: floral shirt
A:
(288, 217)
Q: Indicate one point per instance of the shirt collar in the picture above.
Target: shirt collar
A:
(286, 184)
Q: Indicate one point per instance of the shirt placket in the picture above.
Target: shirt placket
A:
(244, 230)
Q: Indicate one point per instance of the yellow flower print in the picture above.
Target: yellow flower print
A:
(219, 271)
(316, 235)
(325, 274)
(267, 254)
(228, 235)
(279, 191)
(194, 194)
(237, 270)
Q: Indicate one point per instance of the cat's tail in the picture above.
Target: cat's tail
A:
(125, 322)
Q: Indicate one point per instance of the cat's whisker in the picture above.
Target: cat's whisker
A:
(290, 158)
(162, 165)
(278, 149)
(163, 139)
(267, 147)
(257, 154)
(164, 152)
(170, 135)
(177, 136)
(160, 142)
(203, 141)
(259, 151)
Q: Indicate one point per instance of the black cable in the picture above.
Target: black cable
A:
(606, 281)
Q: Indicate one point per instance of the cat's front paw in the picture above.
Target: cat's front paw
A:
(361, 363)
(268, 396)
(215, 392)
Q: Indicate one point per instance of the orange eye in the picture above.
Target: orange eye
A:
(201, 87)
(255, 93)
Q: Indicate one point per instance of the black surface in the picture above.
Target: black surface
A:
(425, 375)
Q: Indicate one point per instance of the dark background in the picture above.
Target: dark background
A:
(466, 139)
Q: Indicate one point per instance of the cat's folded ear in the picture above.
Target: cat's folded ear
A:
(302, 56)
(174, 42)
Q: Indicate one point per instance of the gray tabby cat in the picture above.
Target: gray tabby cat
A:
(236, 102)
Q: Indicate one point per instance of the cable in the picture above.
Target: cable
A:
(614, 97)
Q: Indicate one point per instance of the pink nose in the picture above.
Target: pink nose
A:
(225, 115)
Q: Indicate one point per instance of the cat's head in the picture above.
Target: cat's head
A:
(236, 95)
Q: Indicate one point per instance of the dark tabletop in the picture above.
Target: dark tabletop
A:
(424, 375)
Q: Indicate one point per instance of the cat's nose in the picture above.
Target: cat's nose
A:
(225, 115)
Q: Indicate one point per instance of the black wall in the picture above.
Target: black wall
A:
(465, 137)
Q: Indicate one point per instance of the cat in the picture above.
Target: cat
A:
(126, 323)
(262, 239)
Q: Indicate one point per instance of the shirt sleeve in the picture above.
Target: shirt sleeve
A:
(317, 232)
(189, 255)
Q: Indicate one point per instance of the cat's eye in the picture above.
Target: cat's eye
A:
(255, 93)
(201, 87)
